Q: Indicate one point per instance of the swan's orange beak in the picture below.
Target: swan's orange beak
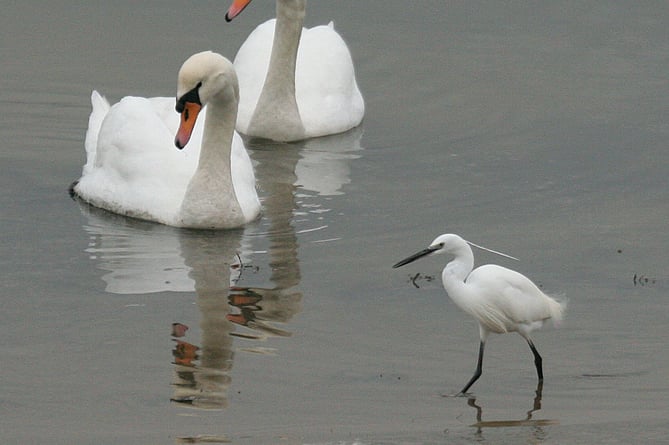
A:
(188, 118)
(235, 9)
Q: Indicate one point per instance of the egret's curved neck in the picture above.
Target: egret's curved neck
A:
(455, 272)
(277, 100)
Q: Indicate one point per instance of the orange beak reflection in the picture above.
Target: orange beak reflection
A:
(188, 118)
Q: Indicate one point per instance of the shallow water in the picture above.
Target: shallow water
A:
(540, 132)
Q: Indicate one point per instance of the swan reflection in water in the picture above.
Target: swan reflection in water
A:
(201, 372)
(535, 424)
(295, 182)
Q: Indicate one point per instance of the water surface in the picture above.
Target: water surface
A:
(538, 131)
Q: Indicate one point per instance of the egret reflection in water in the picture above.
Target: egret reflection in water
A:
(535, 425)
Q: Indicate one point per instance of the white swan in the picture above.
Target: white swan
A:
(295, 83)
(133, 168)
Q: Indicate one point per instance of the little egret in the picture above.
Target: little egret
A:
(501, 300)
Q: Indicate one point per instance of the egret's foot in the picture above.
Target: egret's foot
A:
(459, 394)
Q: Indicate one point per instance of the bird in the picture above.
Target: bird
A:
(500, 299)
(295, 83)
(133, 168)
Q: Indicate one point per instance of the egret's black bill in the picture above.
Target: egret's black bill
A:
(415, 256)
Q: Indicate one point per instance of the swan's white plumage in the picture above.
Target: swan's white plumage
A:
(326, 90)
(134, 169)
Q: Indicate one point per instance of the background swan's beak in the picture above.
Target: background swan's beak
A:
(188, 118)
(236, 7)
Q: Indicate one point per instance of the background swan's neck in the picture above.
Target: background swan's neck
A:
(210, 200)
(276, 115)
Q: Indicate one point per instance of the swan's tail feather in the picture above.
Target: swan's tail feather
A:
(100, 109)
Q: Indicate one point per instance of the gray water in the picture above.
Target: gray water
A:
(537, 130)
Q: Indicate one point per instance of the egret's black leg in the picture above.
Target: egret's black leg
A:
(479, 369)
(537, 400)
(537, 360)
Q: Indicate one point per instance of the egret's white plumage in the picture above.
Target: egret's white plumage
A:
(500, 299)
(295, 83)
(133, 168)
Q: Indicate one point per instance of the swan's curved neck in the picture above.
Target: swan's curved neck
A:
(210, 200)
(277, 100)
(219, 127)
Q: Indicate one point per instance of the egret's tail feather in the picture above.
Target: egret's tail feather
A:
(558, 308)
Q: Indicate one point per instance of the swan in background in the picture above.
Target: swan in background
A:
(295, 83)
(133, 169)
